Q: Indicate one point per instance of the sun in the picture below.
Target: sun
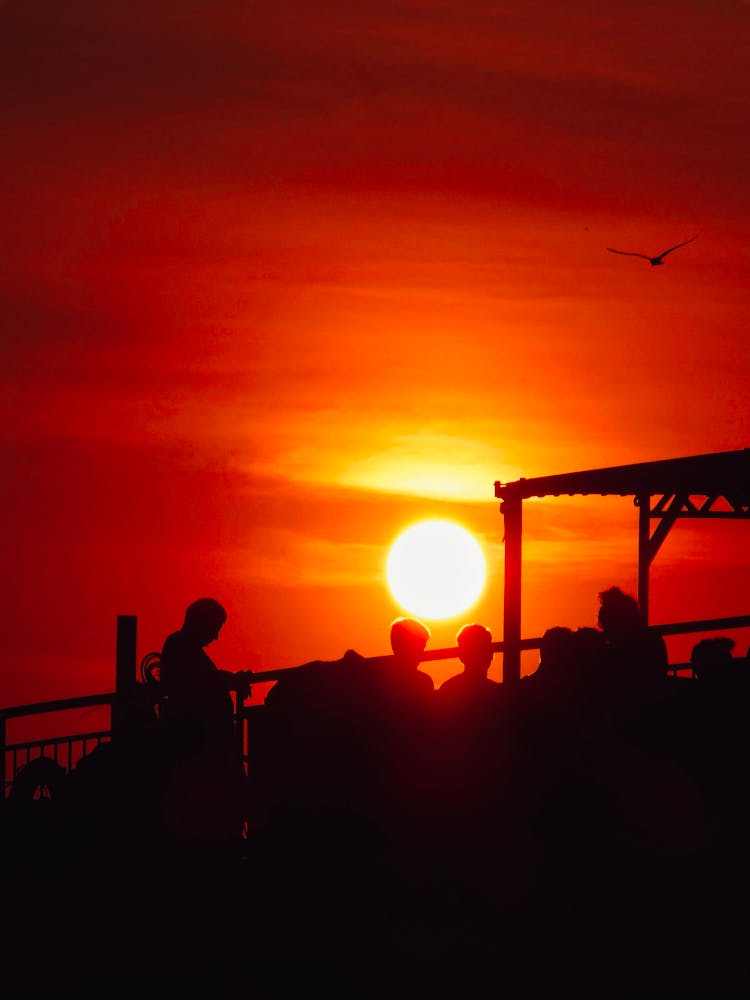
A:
(436, 569)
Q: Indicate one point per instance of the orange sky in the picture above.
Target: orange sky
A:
(278, 279)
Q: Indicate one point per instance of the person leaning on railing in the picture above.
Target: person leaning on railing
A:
(205, 786)
(196, 692)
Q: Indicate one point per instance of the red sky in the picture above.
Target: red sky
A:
(279, 278)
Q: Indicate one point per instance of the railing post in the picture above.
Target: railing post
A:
(644, 555)
(3, 742)
(513, 514)
(125, 672)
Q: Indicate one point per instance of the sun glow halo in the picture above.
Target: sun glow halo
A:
(436, 569)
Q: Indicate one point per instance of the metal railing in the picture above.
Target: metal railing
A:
(68, 750)
(65, 751)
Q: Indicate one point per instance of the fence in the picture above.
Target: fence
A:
(66, 751)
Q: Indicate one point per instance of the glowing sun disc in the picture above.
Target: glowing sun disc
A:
(436, 569)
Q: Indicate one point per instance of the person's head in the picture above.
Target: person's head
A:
(475, 648)
(709, 658)
(204, 619)
(557, 650)
(619, 613)
(408, 640)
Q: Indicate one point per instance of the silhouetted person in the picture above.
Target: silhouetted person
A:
(206, 777)
(556, 653)
(397, 702)
(393, 691)
(400, 676)
(713, 742)
(197, 696)
(306, 770)
(569, 662)
(409, 637)
(336, 754)
(472, 754)
(31, 825)
(476, 653)
(558, 734)
(634, 653)
(558, 696)
(312, 684)
(317, 685)
(711, 659)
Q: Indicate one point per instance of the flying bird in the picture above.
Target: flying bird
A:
(659, 259)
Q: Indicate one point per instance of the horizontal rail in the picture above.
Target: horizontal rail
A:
(445, 653)
(451, 652)
(703, 625)
(66, 752)
(61, 705)
(50, 741)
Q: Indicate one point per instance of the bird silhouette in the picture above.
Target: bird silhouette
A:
(659, 259)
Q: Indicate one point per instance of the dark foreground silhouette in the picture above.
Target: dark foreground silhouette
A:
(584, 831)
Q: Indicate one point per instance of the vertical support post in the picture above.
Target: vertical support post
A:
(3, 741)
(644, 550)
(511, 509)
(125, 672)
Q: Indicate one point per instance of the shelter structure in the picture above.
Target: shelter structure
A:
(712, 486)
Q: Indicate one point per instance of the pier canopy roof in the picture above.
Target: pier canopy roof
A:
(719, 474)
(711, 486)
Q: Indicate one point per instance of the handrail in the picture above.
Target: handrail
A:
(702, 625)
(445, 653)
(150, 691)
(50, 741)
(61, 705)
(534, 642)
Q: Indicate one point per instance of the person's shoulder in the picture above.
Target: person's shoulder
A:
(173, 642)
(451, 684)
(460, 685)
(301, 685)
(424, 681)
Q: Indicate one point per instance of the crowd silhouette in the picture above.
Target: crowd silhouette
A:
(592, 785)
